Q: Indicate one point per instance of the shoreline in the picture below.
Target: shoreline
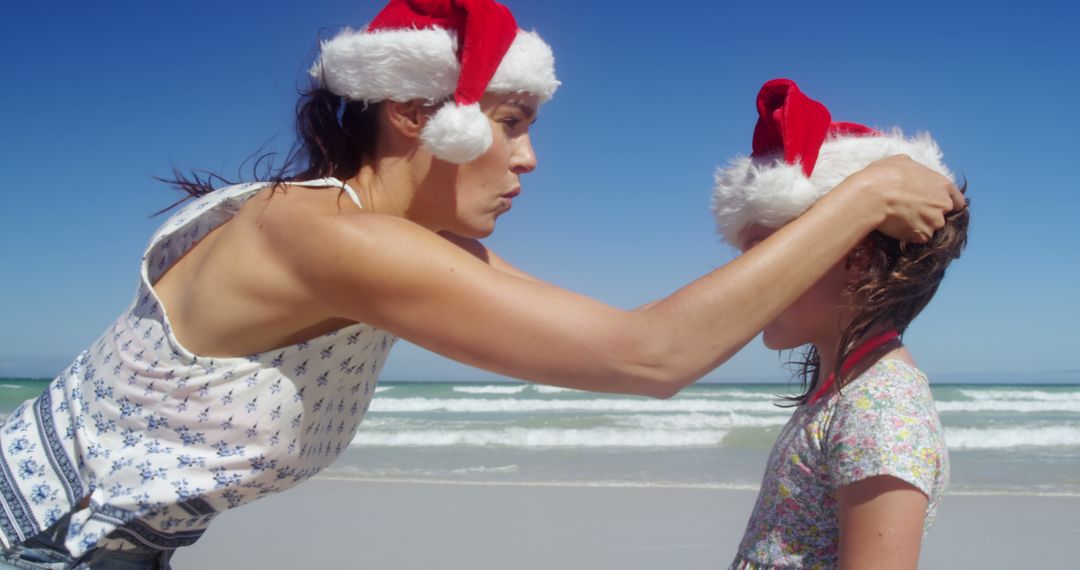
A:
(651, 485)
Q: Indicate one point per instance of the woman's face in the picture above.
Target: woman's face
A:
(817, 317)
(485, 188)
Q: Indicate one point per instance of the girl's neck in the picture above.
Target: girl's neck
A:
(829, 351)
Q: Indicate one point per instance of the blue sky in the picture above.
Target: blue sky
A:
(100, 97)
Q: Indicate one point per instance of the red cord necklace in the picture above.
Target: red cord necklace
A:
(853, 360)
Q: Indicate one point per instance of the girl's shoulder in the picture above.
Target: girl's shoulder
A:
(885, 423)
(888, 379)
(888, 390)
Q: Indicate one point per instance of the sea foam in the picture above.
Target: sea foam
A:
(510, 405)
(1024, 407)
(1005, 438)
(699, 421)
(1013, 395)
(545, 389)
(527, 438)
(491, 389)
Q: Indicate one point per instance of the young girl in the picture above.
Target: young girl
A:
(265, 311)
(857, 473)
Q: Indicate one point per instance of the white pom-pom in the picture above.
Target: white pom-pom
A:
(457, 134)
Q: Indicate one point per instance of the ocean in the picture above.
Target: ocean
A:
(1003, 439)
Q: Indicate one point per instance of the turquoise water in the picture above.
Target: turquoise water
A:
(15, 392)
(1002, 438)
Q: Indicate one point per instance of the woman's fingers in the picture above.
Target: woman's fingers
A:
(958, 199)
(922, 198)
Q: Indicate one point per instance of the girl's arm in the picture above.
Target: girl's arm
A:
(881, 524)
(395, 275)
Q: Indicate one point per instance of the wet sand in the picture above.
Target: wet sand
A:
(329, 523)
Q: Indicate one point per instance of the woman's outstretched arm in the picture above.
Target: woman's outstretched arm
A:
(395, 275)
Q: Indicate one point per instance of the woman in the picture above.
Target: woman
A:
(265, 310)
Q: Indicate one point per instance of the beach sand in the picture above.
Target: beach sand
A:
(327, 523)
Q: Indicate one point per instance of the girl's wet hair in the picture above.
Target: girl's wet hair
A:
(896, 281)
(333, 138)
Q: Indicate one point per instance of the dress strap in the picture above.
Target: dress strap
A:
(334, 183)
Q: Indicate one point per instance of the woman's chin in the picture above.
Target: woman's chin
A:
(479, 230)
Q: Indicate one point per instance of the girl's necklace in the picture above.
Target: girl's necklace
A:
(853, 360)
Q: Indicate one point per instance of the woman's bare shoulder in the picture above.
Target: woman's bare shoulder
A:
(299, 220)
(323, 239)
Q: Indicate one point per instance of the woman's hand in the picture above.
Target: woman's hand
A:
(914, 199)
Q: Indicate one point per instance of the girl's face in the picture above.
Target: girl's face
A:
(485, 188)
(818, 317)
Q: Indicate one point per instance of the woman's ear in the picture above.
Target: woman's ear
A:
(407, 118)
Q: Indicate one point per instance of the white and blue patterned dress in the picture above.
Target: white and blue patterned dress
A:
(162, 440)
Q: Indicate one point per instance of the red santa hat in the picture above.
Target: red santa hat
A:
(434, 49)
(799, 155)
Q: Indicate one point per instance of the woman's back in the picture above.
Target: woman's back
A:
(235, 292)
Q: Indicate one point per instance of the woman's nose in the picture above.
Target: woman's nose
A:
(524, 158)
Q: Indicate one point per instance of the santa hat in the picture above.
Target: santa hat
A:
(799, 155)
(432, 49)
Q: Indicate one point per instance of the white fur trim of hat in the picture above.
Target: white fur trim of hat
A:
(402, 65)
(434, 50)
(769, 190)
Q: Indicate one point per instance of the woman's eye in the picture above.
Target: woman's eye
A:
(511, 122)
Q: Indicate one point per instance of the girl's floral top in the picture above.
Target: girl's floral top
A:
(882, 423)
(161, 440)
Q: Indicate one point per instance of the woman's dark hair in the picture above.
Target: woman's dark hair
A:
(333, 137)
(896, 281)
